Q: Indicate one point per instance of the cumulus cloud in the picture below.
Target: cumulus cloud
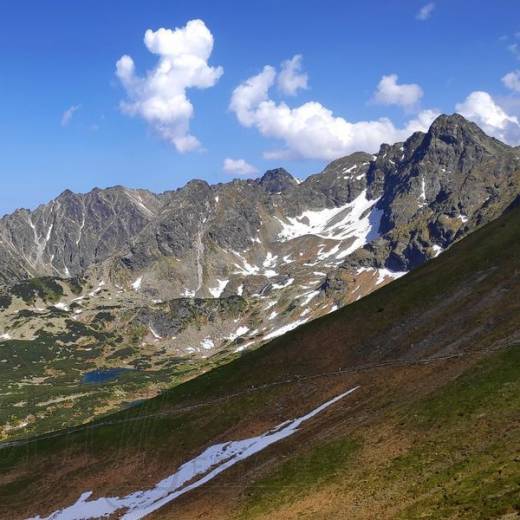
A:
(68, 114)
(482, 109)
(290, 78)
(512, 80)
(389, 92)
(311, 130)
(160, 97)
(238, 167)
(425, 11)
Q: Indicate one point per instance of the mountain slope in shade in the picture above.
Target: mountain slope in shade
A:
(432, 429)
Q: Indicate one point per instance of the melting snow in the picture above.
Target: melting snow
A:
(191, 475)
(283, 285)
(358, 220)
(382, 274)
(207, 344)
(239, 332)
(309, 296)
(348, 170)
(217, 291)
(270, 260)
(246, 267)
(422, 196)
(437, 250)
(286, 328)
(154, 334)
(137, 284)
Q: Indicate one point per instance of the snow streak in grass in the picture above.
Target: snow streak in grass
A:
(191, 475)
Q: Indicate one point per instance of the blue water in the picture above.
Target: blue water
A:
(103, 375)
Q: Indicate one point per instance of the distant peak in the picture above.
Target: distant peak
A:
(277, 180)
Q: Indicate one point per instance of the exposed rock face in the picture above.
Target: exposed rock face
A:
(301, 248)
(72, 232)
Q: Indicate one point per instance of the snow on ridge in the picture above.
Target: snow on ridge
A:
(191, 475)
(358, 220)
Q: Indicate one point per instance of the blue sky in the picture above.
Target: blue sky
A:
(61, 54)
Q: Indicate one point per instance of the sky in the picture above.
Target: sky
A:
(153, 94)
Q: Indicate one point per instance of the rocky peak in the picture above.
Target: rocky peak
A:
(277, 180)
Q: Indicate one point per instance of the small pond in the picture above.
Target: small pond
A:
(103, 375)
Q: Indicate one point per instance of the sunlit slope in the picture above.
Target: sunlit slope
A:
(400, 345)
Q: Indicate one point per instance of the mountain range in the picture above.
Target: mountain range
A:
(112, 296)
(403, 404)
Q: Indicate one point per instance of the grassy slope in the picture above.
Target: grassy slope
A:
(461, 459)
(466, 299)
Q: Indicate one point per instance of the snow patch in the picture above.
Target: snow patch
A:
(191, 475)
(137, 284)
(357, 221)
(286, 328)
(218, 290)
(239, 332)
(383, 274)
(207, 344)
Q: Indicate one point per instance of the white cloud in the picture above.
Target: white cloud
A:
(425, 11)
(160, 96)
(311, 130)
(239, 167)
(512, 80)
(67, 115)
(389, 92)
(482, 109)
(290, 78)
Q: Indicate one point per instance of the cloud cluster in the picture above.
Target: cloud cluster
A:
(312, 131)
(238, 167)
(425, 11)
(389, 92)
(482, 109)
(160, 97)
